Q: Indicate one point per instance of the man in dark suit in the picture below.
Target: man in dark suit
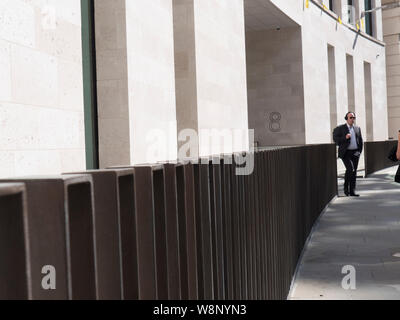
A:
(349, 139)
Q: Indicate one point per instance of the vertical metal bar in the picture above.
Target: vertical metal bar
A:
(287, 219)
(226, 167)
(81, 245)
(264, 227)
(256, 222)
(281, 216)
(259, 196)
(14, 243)
(199, 232)
(243, 235)
(107, 236)
(205, 212)
(183, 233)
(247, 216)
(145, 233)
(270, 208)
(171, 211)
(275, 208)
(258, 239)
(219, 270)
(47, 245)
(294, 205)
(107, 230)
(236, 238)
(213, 221)
(264, 224)
(129, 257)
(277, 213)
(282, 223)
(191, 233)
(252, 236)
(160, 233)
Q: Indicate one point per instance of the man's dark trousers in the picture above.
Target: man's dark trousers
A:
(350, 160)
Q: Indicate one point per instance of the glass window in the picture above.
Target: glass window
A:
(368, 18)
(350, 12)
(89, 84)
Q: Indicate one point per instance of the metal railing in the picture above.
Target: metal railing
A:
(376, 155)
(167, 231)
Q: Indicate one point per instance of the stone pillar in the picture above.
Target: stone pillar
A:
(210, 61)
(378, 32)
(42, 122)
(136, 83)
(391, 31)
(112, 82)
(185, 69)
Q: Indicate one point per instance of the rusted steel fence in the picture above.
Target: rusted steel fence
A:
(376, 155)
(191, 230)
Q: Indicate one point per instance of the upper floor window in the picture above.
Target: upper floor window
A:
(351, 12)
(368, 18)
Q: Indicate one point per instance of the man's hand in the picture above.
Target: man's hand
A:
(348, 136)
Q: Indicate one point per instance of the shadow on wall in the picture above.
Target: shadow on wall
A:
(275, 86)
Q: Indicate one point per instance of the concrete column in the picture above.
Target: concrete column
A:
(378, 32)
(359, 95)
(210, 72)
(185, 69)
(41, 88)
(379, 98)
(151, 80)
(136, 81)
(368, 102)
(391, 29)
(332, 88)
(350, 82)
(341, 81)
(112, 82)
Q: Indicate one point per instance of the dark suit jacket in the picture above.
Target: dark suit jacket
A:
(339, 136)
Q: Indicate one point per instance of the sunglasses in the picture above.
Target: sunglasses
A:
(352, 117)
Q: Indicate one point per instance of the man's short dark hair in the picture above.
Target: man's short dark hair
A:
(347, 115)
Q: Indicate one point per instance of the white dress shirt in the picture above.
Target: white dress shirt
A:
(353, 141)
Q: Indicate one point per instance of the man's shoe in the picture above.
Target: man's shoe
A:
(352, 194)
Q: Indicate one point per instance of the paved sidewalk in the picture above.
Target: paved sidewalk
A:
(362, 232)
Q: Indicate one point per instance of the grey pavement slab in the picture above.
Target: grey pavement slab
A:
(360, 232)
